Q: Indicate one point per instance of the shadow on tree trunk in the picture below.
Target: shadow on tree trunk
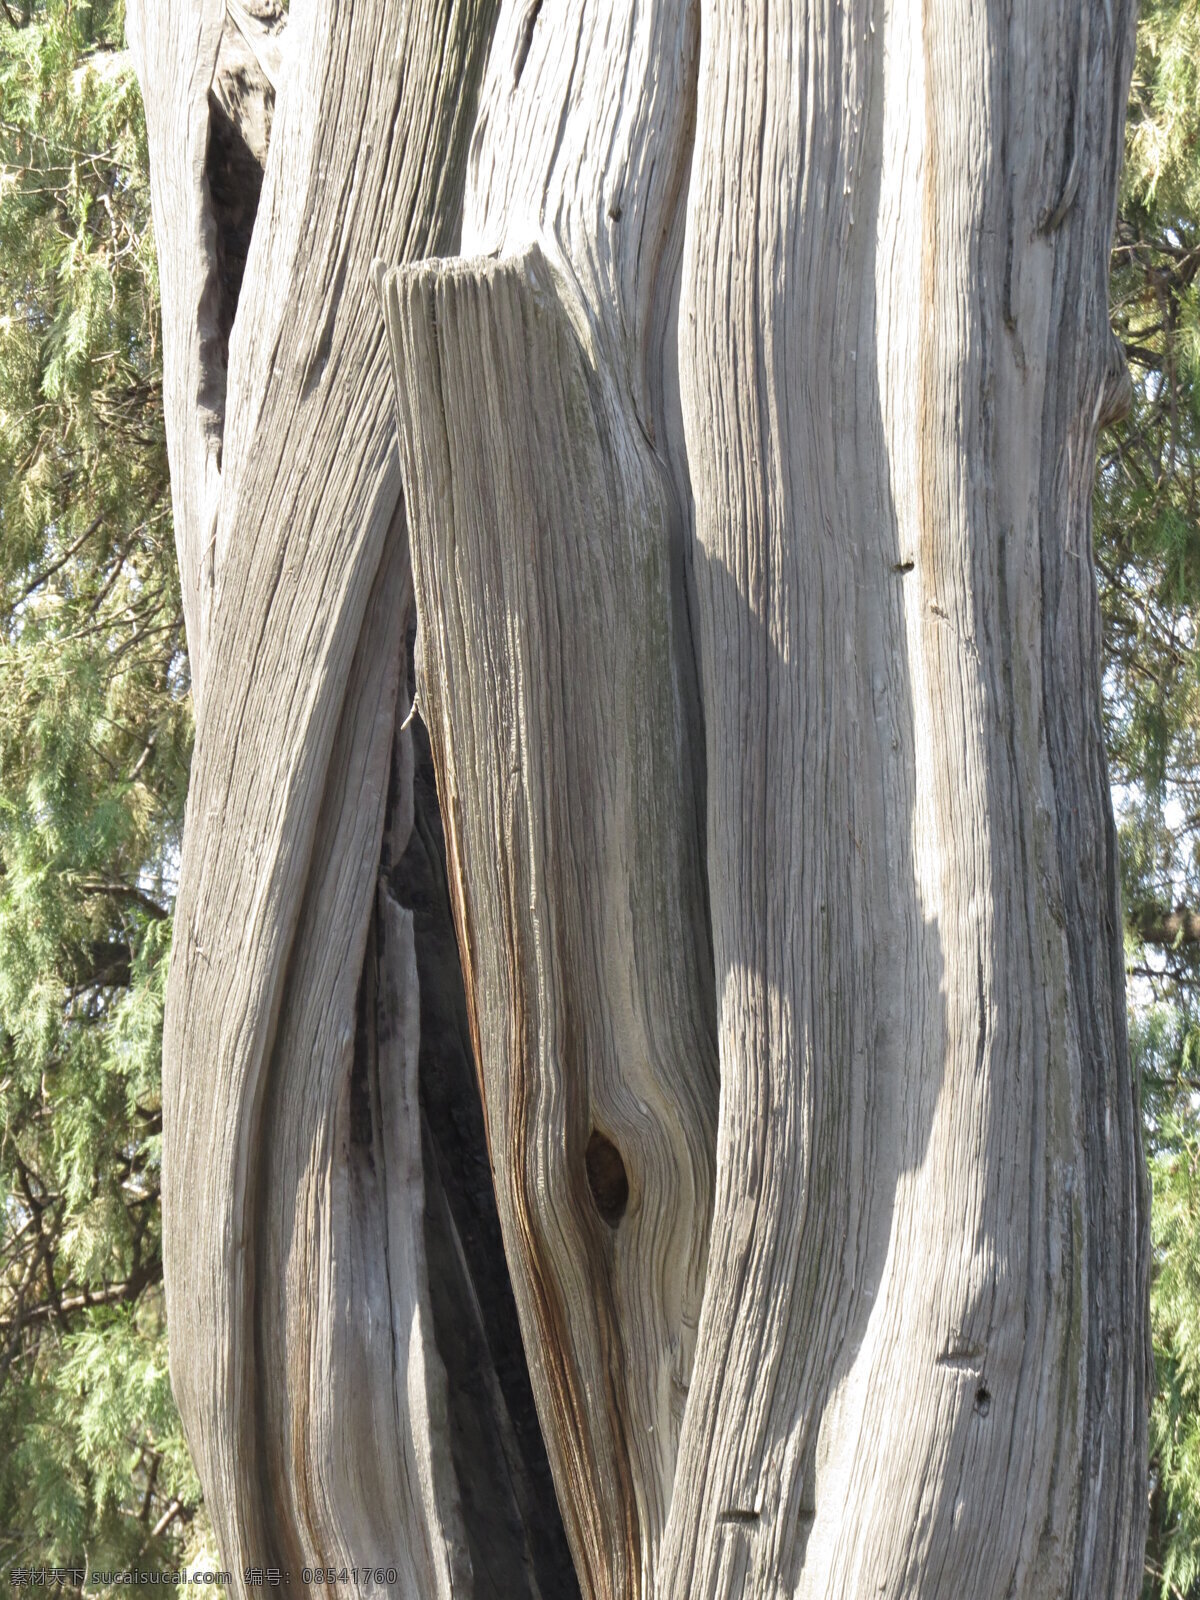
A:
(510, 1512)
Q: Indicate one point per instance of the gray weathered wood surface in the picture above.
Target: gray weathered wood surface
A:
(921, 1362)
(746, 432)
(294, 1194)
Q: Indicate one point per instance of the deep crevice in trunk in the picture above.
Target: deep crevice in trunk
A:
(499, 1455)
(235, 177)
(241, 105)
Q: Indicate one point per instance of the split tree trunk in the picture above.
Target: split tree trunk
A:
(747, 404)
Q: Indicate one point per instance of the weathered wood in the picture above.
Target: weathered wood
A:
(922, 1353)
(209, 78)
(789, 319)
(301, 1356)
(922, 1358)
(348, 1396)
(541, 558)
(174, 48)
(549, 539)
(510, 1513)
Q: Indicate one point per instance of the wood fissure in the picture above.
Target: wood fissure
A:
(241, 108)
(174, 47)
(510, 1512)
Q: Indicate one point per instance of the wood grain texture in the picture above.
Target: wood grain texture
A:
(209, 78)
(293, 1241)
(922, 1359)
(174, 46)
(549, 541)
(510, 1512)
(785, 320)
(541, 566)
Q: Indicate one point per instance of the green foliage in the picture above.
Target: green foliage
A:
(94, 744)
(1148, 511)
(1148, 558)
(1175, 1420)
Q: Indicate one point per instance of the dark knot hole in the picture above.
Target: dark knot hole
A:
(983, 1400)
(607, 1178)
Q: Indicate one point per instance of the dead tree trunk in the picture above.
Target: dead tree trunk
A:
(748, 364)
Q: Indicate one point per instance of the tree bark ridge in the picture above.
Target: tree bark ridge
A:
(898, 1380)
(559, 787)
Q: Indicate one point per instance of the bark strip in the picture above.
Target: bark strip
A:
(922, 1356)
(278, 1222)
(540, 539)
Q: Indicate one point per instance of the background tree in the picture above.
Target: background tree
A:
(1148, 562)
(94, 743)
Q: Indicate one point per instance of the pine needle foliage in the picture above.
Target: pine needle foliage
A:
(1147, 528)
(94, 744)
(1174, 1566)
(1148, 499)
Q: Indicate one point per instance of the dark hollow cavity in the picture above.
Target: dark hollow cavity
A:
(513, 1525)
(607, 1178)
